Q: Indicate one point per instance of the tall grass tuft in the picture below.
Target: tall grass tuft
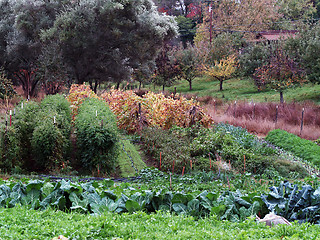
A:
(260, 118)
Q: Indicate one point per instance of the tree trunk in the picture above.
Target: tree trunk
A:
(190, 85)
(221, 81)
(163, 88)
(140, 85)
(118, 85)
(281, 97)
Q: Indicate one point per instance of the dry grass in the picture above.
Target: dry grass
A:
(260, 118)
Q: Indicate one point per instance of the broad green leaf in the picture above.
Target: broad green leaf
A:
(47, 188)
(32, 198)
(132, 206)
(110, 195)
(180, 198)
(34, 184)
(219, 210)
(77, 203)
(179, 208)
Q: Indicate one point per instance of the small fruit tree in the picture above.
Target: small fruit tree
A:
(280, 74)
(221, 70)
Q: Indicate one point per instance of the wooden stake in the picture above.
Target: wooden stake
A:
(210, 161)
(244, 162)
(183, 171)
(10, 117)
(173, 167)
(191, 164)
(160, 161)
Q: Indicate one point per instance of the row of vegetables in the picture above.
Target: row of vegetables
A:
(95, 197)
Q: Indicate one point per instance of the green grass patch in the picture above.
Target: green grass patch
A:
(243, 89)
(20, 223)
(125, 162)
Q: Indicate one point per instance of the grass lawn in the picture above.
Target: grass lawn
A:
(243, 89)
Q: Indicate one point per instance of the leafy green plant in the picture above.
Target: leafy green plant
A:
(24, 223)
(9, 149)
(303, 148)
(294, 204)
(174, 149)
(43, 133)
(97, 135)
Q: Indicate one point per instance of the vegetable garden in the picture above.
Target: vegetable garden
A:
(206, 175)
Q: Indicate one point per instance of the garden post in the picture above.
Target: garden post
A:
(301, 128)
(10, 117)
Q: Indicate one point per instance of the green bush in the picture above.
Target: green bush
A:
(49, 145)
(170, 145)
(97, 136)
(44, 144)
(9, 150)
(58, 105)
(302, 148)
(25, 122)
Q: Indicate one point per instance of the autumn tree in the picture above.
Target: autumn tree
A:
(230, 16)
(296, 9)
(280, 73)
(222, 70)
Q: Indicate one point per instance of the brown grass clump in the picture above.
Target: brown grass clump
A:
(260, 118)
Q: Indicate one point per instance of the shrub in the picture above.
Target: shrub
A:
(49, 145)
(97, 136)
(171, 146)
(302, 148)
(9, 150)
(156, 110)
(231, 144)
(25, 123)
(77, 94)
(43, 143)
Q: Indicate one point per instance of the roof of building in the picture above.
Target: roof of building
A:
(275, 35)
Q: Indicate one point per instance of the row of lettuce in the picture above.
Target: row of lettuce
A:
(287, 200)
(39, 138)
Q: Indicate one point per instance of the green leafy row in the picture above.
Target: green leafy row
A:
(98, 197)
(302, 148)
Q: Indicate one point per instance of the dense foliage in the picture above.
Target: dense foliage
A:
(54, 42)
(77, 94)
(97, 135)
(280, 73)
(303, 148)
(223, 147)
(43, 133)
(24, 223)
(154, 110)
